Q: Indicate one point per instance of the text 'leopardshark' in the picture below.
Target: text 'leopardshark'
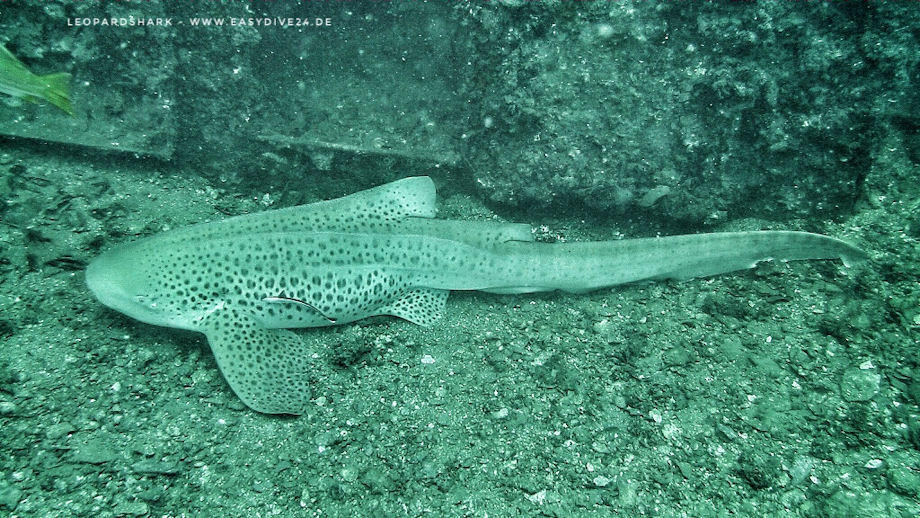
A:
(244, 280)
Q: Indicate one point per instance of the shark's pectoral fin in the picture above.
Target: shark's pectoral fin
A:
(422, 306)
(269, 369)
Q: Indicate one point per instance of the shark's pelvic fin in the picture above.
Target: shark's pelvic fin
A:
(422, 306)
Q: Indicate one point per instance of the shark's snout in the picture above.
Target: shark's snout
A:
(103, 280)
(121, 280)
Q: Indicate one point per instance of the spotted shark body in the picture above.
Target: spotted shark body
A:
(245, 281)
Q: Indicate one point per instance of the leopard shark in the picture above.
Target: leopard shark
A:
(247, 280)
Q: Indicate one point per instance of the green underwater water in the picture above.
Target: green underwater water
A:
(790, 389)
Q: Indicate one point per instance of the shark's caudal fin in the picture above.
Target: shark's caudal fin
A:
(580, 267)
(271, 370)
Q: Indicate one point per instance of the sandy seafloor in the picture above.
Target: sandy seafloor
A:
(791, 389)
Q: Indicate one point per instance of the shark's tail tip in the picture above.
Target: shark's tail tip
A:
(852, 255)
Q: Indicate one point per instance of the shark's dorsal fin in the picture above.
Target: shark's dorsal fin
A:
(361, 211)
(377, 210)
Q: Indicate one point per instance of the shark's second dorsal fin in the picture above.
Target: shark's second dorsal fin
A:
(483, 234)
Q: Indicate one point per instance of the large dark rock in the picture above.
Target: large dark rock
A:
(697, 111)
